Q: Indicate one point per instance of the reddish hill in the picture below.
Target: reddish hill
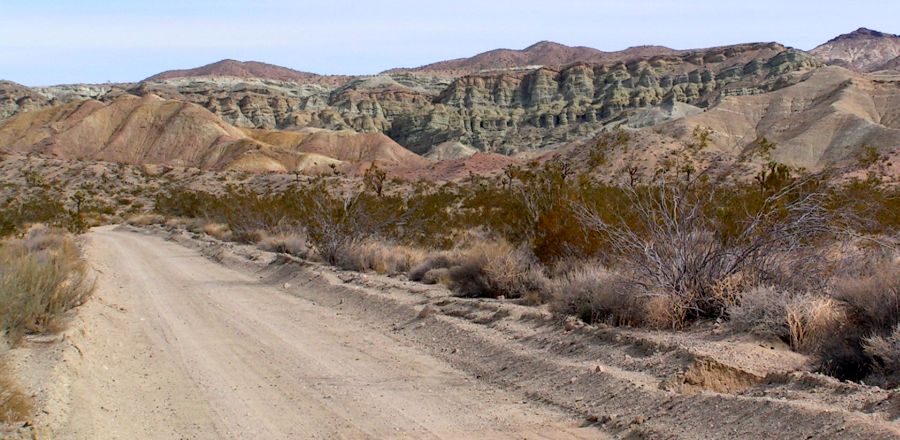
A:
(545, 53)
(249, 69)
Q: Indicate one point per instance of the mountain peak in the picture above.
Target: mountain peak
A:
(863, 33)
(544, 45)
(243, 69)
(864, 49)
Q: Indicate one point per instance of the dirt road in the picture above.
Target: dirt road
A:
(176, 346)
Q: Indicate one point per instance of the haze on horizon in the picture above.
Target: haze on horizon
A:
(45, 42)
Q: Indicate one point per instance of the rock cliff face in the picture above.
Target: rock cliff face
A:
(16, 98)
(502, 111)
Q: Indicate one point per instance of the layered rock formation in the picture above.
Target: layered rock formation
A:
(16, 98)
(504, 112)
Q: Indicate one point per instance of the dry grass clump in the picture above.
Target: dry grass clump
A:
(146, 220)
(805, 321)
(812, 320)
(15, 406)
(219, 231)
(41, 277)
(380, 257)
(294, 243)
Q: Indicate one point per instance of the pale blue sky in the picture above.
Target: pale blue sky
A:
(45, 42)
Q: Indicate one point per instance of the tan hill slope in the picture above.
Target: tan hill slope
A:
(823, 120)
(152, 130)
(863, 50)
(826, 120)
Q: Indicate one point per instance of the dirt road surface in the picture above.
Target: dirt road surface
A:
(177, 346)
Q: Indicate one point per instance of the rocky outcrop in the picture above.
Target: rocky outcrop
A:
(504, 111)
(16, 98)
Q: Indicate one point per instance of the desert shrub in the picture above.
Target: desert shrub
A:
(442, 260)
(41, 205)
(806, 321)
(41, 277)
(219, 231)
(497, 269)
(873, 312)
(762, 310)
(813, 321)
(380, 257)
(293, 243)
(875, 300)
(595, 294)
(884, 353)
(687, 239)
(146, 220)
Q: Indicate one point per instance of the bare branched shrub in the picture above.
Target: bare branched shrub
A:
(679, 241)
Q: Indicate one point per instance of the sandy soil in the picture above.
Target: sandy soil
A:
(176, 346)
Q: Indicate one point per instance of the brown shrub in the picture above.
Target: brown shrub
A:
(762, 310)
(884, 352)
(812, 321)
(496, 269)
(874, 300)
(442, 260)
(594, 294)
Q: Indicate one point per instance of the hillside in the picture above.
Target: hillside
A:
(152, 130)
(247, 69)
(863, 50)
(544, 53)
